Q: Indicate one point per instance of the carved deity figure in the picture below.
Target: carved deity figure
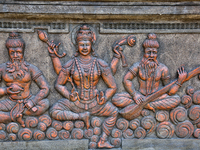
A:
(151, 75)
(83, 71)
(17, 75)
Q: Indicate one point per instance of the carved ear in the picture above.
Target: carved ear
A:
(94, 37)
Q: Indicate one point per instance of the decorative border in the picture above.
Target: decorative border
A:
(21, 26)
(150, 27)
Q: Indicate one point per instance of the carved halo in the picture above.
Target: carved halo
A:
(74, 32)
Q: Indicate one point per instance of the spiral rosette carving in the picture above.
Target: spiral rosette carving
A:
(92, 145)
(116, 133)
(165, 130)
(77, 133)
(194, 114)
(31, 122)
(45, 119)
(128, 134)
(12, 137)
(94, 138)
(52, 134)
(42, 126)
(148, 123)
(116, 142)
(38, 135)
(178, 114)
(186, 100)
(134, 124)
(68, 125)
(79, 124)
(162, 116)
(12, 127)
(96, 122)
(196, 97)
(184, 129)
(57, 125)
(2, 135)
(2, 126)
(197, 133)
(97, 131)
(198, 125)
(190, 90)
(145, 112)
(88, 133)
(140, 133)
(25, 134)
(64, 134)
(122, 124)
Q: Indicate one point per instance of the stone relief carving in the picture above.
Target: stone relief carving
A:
(103, 117)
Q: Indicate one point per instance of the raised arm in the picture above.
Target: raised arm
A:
(55, 60)
(182, 74)
(115, 61)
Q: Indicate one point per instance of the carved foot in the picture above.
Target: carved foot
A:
(20, 120)
(148, 106)
(104, 144)
(85, 117)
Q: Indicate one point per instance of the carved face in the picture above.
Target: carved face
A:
(84, 47)
(150, 53)
(15, 53)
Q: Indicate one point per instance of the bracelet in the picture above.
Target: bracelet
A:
(33, 102)
(178, 84)
(6, 92)
(117, 56)
(133, 94)
(52, 55)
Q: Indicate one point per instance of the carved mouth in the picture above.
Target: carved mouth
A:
(85, 51)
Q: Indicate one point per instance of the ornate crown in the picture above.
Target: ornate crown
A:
(85, 33)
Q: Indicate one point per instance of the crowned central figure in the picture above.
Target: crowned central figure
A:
(83, 71)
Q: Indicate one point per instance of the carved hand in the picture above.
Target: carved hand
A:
(53, 48)
(182, 75)
(73, 98)
(102, 99)
(14, 89)
(138, 98)
(29, 104)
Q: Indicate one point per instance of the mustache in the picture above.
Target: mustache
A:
(146, 61)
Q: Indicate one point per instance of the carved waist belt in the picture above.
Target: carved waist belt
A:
(86, 104)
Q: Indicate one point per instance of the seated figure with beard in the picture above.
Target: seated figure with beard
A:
(17, 75)
(150, 74)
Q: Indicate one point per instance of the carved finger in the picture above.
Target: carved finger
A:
(183, 69)
(58, 45)
(178, 72)
(50, 50)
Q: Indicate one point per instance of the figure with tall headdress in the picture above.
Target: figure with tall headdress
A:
(83, 71)
(17, 75)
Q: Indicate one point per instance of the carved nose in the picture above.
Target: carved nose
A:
(15, 54)
(84, 46)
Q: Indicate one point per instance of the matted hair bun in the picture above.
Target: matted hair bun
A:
(14, 35)
(152, 36)
(151, 41)
(15, 40)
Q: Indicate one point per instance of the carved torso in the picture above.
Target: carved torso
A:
(23, 81)
(150, 84)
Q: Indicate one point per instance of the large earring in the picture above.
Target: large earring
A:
(77, 53)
